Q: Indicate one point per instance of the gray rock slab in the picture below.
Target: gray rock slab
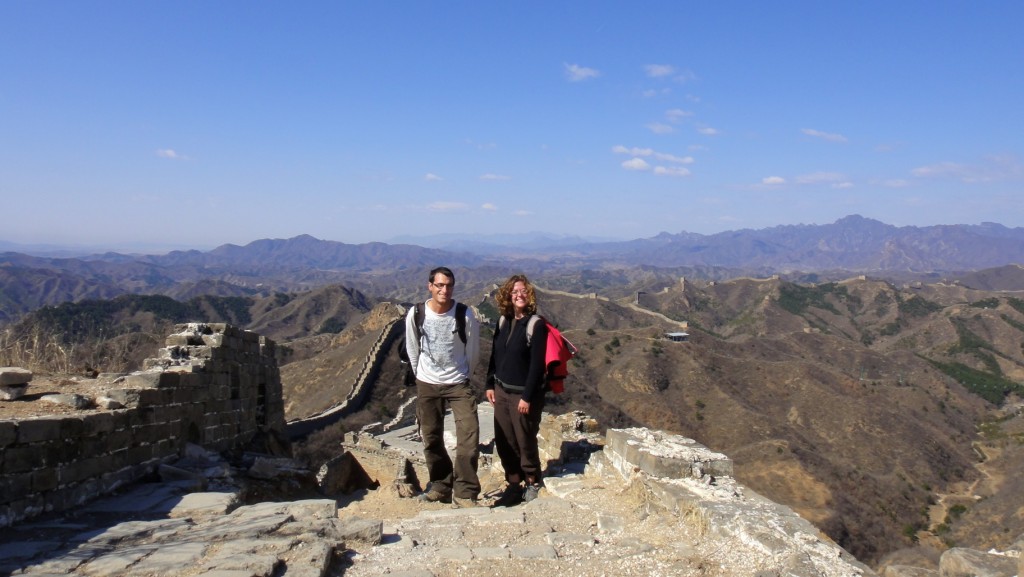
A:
(12, 393)
(455, 553)
(960, 562)
(24, 550)
(148, 497)
(535, 552)
(63, 564)
(610, 523)
(13, 376)
(74, 401)
(170, 559)
(312, 559)
(909, 571)
(453, 515)
(490, 553)
(663, 454)
(563, 488)
(205, 504)
(133, 531)
(501, 516)
(363, 530)
(560, 539)
(115, 563)
(435, 536)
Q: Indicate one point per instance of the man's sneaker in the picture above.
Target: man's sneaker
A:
(511, 496)
(460, 503)
(433, 496)
(531, 493)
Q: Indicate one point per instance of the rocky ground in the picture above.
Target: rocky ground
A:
(581, 525)
(59, 395)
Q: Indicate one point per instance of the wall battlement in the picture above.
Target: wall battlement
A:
(212, 384)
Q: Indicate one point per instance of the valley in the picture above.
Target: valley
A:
(884, 408)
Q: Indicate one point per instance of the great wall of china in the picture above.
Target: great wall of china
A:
(218, 387)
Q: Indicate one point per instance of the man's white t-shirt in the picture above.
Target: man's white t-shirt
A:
(440, 357)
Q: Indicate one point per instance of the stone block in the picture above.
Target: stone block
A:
(12, 393)
(8, 433)
(72, 428)
(665, 455)
(127, 397)
(44, 479)
(19, 458)
(150, 397)
(36, 430)
(16, 486)
(96, 424)
(343, 475)
(14, 376)
(214, 340)
(144, 380)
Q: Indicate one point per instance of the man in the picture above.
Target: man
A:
(443, 364)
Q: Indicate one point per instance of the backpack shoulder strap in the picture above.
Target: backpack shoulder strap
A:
(529, 327)
(420, 314)
(460, 320)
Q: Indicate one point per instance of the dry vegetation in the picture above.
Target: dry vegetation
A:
(857, 403)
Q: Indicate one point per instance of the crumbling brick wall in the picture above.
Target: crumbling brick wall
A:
(212, 384)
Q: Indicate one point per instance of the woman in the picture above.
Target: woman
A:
(515, 386)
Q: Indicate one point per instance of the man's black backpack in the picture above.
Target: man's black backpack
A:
(409, 379)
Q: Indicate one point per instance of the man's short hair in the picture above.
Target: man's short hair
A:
(441, 270)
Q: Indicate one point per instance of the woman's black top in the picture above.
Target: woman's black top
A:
(518, 366)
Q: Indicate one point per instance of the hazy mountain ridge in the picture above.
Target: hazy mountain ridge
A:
(850, 245)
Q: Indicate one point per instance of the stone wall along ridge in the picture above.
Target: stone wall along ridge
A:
(213, 385)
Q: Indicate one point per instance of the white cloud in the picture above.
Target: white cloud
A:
(481, 145)
(522, 213)
(659, 70)
(490, 207)
(843, 185)
(652, 92)
(494, 177)
(675, 159)
(577, 73)
(996, 168)
(669, 71)
(659, 128)
(824, 135)
(431, 177)
(676, 115)
(636, 164)
(444, 206)
(707, 130)
(619, 149)
(820, 178)
(896, 183)
(671, 171)
(773, 180)
(169, 153)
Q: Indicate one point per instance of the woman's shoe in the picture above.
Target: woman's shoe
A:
(532, 492)
(511, 496)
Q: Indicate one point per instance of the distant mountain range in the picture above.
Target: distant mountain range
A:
(853, 244)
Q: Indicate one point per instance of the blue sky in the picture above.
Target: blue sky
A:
(193, 124)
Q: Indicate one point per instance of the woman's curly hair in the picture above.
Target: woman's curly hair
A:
(504, 296)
